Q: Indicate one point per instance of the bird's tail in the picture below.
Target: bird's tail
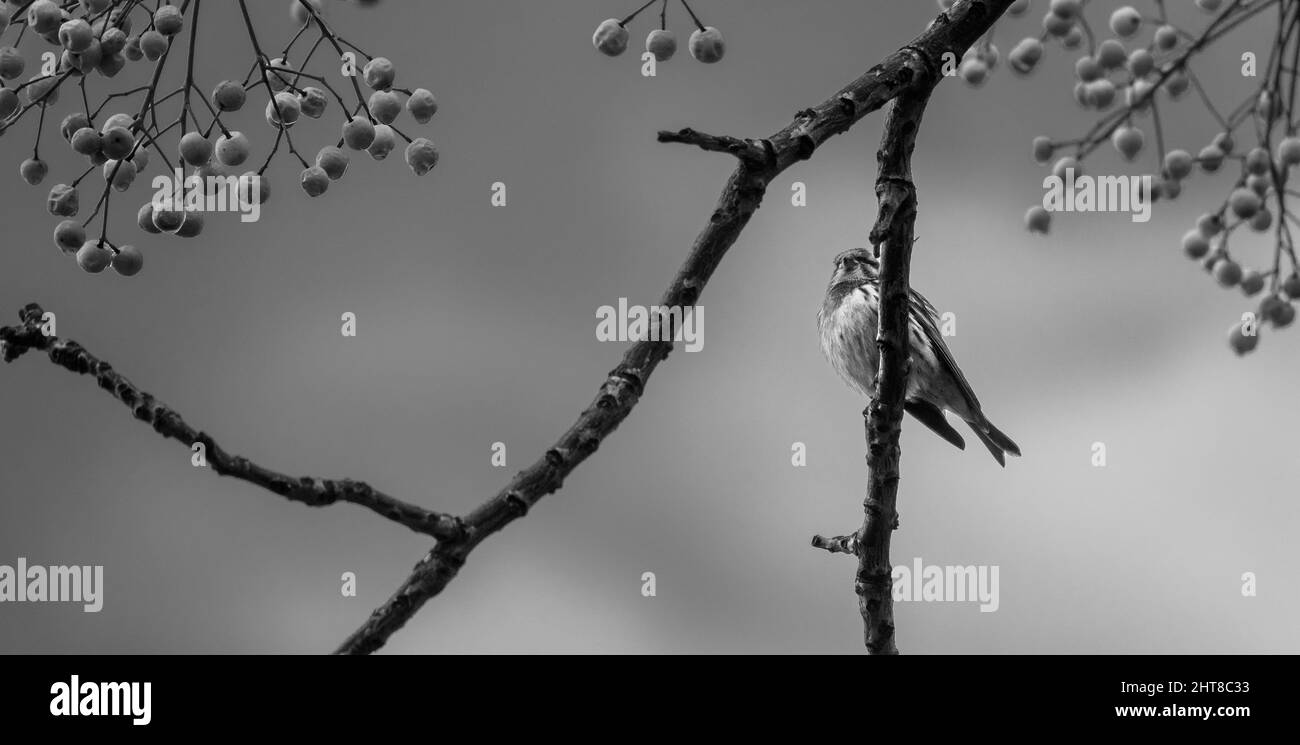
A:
(993, 439)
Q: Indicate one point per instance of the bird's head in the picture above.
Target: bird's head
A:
(856, 266)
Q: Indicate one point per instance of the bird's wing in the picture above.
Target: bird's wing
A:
(927, 317)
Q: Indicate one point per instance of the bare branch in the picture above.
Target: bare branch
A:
(840, 544)
(916, 64)
(16, 341)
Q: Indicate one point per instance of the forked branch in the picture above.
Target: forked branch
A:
(910, 69)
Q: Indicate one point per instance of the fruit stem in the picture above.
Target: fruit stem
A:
(636, 13)
(694, 17)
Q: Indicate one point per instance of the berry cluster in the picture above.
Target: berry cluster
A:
(706, 44)
(99, 38)
(1127, 77)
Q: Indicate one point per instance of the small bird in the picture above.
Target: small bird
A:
(848, 320)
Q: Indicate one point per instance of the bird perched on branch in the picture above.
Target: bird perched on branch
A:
(848, 320)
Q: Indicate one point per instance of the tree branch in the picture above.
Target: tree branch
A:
(15, 341)
(915, 64)
(892, 237)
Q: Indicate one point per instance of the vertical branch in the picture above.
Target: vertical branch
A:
(892, 238)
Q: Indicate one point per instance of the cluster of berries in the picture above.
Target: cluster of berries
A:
(96, 37)
(705, 44)
(1126, 77)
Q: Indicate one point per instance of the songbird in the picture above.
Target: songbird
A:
(848, 320)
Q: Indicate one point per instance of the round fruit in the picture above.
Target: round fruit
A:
(42, 89)
(167, 219)
(195, 149)
(133, 51)
(279, 75)
(113, 41)
(1195, 245)
(117, 120)
(8, 103)
(1025, 55)
(1126, 21)
(1166, 37)
(254, 188)
(85, 141)
(1057, 25)
(385, 106)
(1291, 286)
(1100, 93)
(974, 72)
(1284, 315)
(1210, 158)
(111, 64)
(384, 144)
(1227, 272)
(1245, 203)
(1242, 342)
(358, 133)
(1063, 168)
(44, 16)
(1259, 184)
(1178, 164)
(706, 44)
(116, 142)
(93, 257)
(1087, 69)
(144, 218)
(128, 261)
(1038, 220)
(12, 63)
(153, 44)
(1066, 8)
(1262, 221)
(168, 20)
(421, 156)
(232, 149)
(229, 96)
(1252, 282)
(75, 35)
(1043, 149)
(68, 236)
(1209, 225)
(191, 226)
(1141, 62)
(1177, 85)
(312, 102)
(662, 43)
(120, 173)
(1111, 55)
(333, 160)
(1128, 141)
(33, 171)
(283, 107)
(422, 105)
(1288, 152)
(301, 15)
(1258, 161)
(314, 181)
(610, 37)
(379, 74)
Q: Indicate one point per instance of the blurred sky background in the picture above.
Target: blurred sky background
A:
(477, 325)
